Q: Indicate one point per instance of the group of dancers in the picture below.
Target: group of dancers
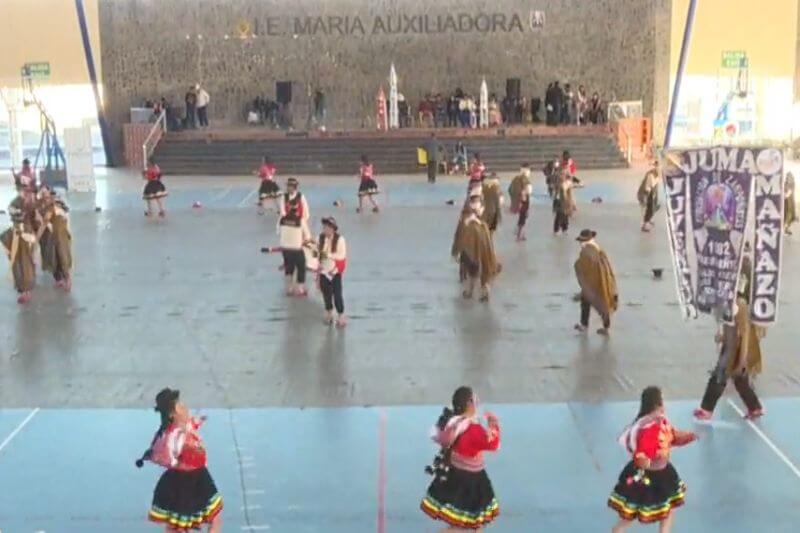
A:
(649, 488)
(324, 257)
(39, 222)
(460, 494)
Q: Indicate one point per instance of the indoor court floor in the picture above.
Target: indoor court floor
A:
(316, 429)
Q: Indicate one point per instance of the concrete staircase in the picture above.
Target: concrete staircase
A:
(179, 154)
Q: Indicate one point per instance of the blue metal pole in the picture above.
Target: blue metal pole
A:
(87, 50)
(676, 91)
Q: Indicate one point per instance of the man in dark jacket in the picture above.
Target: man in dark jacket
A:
(432, 155)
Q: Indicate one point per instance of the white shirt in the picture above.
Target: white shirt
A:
(328, 263)
(202, 98)
(292, 238)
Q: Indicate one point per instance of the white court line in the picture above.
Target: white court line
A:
(247, 198)
(18, 429)
(782, 456)
(263, 527)
(219, 196)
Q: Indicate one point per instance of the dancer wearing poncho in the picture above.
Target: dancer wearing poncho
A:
(154, 190)
(647, 195)
(185, 497)
(55, 239)
(649, 488)
(520, 191)
(563, 203)
(461, 493)
(269, 189)
(739, 353)
(597, 282)
(492, 202)
(368, 187)
(474, 250)
(20, 243)
(789, 203)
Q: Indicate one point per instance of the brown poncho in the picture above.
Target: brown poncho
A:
(564, 199)
(19, 241)
(745, 338)
(596, 278)
(491, 203)
(518, 184)
(19, 245)
(473, 239)
(56, 241)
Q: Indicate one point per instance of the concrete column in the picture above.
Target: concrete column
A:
(662, 13)
(797, 59)
(11, 100)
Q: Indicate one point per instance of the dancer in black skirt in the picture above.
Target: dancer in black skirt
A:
(185, 497)
(269, 190)
(369, 187)
(154, 190)
(649, 487)
(461, 493)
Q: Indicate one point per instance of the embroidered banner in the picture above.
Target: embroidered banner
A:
(725, 196)
(677, 194)
(720, 201)
(768, 234)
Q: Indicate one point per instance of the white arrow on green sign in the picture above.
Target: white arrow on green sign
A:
(36, 70)
(734, 59)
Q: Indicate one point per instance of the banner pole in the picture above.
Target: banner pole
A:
(676, 90)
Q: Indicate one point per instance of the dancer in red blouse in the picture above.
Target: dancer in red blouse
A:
(185, 497)
(368, 187)
(154, 190)
(461, 493)
(26, 177)
(649, 487)
(269, 190)
(476, 171)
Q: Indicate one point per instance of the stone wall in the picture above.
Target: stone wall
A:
(345, 47)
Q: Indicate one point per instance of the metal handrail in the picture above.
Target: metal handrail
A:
(628, 141)
(628, 144)
(160, 124)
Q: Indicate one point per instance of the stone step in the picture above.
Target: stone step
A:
(340, 156)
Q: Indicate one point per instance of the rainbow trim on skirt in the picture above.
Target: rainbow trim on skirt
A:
(647, 514)
(458, 518)
(178, 522)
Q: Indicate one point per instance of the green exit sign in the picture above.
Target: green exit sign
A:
(734, 59)
(36, 70)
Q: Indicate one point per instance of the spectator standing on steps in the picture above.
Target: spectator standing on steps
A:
(202, 106)
(191, 107)
(432, 155)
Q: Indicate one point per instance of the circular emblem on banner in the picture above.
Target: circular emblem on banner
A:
(769, 161)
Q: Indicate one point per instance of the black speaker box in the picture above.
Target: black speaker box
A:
(513, 88)
(283, 92)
